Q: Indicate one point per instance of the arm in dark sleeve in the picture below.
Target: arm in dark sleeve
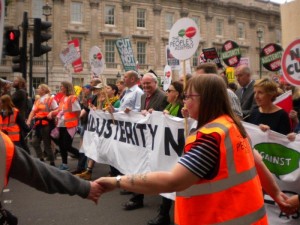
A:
(21, 122)
(46, 178)
(284, 124)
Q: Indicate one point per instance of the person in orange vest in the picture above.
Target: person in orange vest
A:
(67, 115)
(216, 180)
(43, 125)
(11, 121)
(16, 163)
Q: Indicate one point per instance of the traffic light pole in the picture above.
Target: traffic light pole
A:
(24, 44)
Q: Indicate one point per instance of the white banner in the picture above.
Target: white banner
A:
(134, 143)
(139, 144)
(282, 158)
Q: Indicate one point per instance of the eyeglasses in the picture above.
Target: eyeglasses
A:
(186, 96)
(168, 91)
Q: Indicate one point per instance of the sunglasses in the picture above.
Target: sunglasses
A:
(168, 91)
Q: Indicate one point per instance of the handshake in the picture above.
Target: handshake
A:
(101, 186)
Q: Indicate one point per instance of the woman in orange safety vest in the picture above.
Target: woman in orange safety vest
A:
(216, 179)
(43, 125)
(67, 115)
(11, 121)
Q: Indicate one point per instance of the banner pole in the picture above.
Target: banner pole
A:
(184, 107)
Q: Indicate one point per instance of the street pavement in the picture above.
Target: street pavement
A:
(37, 208)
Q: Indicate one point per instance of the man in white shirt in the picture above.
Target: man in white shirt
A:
(132, 96)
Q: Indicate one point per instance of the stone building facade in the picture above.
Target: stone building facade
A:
(147, 23)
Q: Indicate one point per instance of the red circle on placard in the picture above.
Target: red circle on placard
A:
(284, 66)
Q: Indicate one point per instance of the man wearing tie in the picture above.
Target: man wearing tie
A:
(245, 93)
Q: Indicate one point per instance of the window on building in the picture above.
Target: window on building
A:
(262, 29)
(219, 27)
(37, 8)
(76, 12)
(141, 52)
(110, 15)
(195, 59)
(111, 80)
(241, 30)
(77, 81)
(169, 20)
(109, 51)
(141, 18)
(36, 81)
(278, 36)
(197, 20)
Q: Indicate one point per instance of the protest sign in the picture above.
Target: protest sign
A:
(97, 61)
(270, 57)
(135, 143)
(167, 77)
(290, 63)
(126, 54)
(184, 38)
(231, 53)
(171, 60)
(77, 64)
(211, 55)
(282, 158)
(69, 55)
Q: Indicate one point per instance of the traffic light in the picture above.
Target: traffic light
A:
(11, 40)
(40, 36)
(18, 62)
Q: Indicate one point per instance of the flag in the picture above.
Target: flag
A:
(285, 101)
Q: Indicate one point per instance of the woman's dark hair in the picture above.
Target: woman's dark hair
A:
(214, 101)
(178, 86)
(115, 88)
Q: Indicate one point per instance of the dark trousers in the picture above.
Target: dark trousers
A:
(65, 144)
(165, 206)
(82, 159)
(42, 133)
(137, 197)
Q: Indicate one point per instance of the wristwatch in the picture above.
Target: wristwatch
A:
(118, 179)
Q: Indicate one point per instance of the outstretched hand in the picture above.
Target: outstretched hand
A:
(95, 191)
(284, 204)
(107, 183)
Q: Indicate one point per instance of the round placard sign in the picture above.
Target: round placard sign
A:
(96, 60)
(184, 38)
(270, 57)
(231, 53)
(290, 63)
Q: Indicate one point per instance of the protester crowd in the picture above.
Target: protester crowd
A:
(54, 121)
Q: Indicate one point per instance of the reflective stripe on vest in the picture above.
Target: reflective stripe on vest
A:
(210, 201)
(70, 118)
(247, 219)
(9, 125)
(6, 154)
(2, 163)
(233, 179)
(43, 109)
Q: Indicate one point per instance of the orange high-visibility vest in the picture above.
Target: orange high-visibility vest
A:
(42, 110)
(9, 126)
(7, 150)
(70, 118)
(234, 196)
